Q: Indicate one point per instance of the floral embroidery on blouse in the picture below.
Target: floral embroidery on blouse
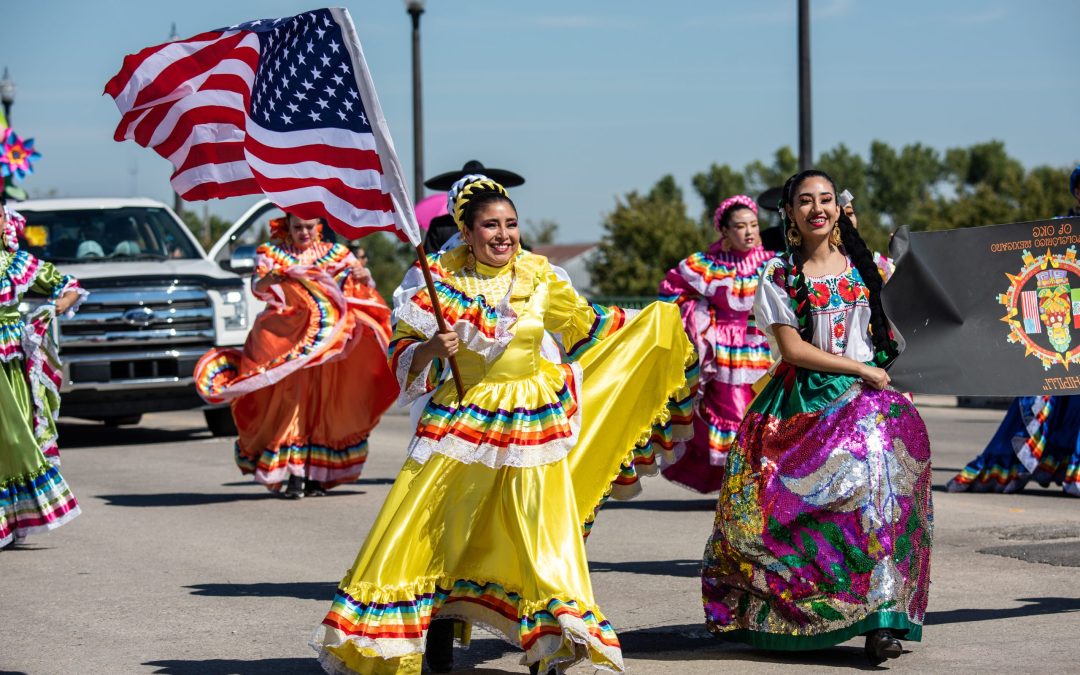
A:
(833, 299)
(845, 290)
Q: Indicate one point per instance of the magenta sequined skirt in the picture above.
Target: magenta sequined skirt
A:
(824, 523)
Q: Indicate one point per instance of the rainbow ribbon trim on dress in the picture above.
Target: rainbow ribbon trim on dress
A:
(36, 502)
(17, 273)
(284, 257)
(994, 478)
(330, 465)
(715, 271)
(408, 616)
(458, 306)
(500, 428)
(607, 322)
(216, 371)
(747, 357)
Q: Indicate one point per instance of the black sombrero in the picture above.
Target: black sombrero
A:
(772, 238)
(444, 180)
(770, 199)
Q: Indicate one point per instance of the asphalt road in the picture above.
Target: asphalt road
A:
(179, 565)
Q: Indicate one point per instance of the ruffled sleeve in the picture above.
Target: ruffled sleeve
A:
(48, 281)
(577, 324)
(772, 305)
(265, 263)
(402, 351)
(674, 288)
(340, 261)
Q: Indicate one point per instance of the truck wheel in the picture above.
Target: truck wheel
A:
(121, 420)
(220, 421)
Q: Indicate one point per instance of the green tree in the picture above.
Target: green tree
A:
(901, 184)
(761, 176)
(716, 184)
(722, 181)
(207, 231)
(988, 186)
(645, 236)
(388, 259)
(915, 185)
(849, 170)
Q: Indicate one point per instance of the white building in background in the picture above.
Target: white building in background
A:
(573, 258)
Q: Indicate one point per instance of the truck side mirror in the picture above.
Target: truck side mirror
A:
(242, 260)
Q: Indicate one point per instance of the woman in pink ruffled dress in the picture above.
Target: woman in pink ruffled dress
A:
(715, 293)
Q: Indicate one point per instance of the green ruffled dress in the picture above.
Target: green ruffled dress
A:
(33, 495)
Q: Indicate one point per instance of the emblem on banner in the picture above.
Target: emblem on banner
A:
(1043, 308)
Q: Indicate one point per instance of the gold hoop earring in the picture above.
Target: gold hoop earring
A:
(725, 244)
(834, 236)
(794, 237)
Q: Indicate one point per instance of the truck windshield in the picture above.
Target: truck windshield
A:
(121, 234)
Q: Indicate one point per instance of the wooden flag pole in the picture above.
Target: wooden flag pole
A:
(421, 256)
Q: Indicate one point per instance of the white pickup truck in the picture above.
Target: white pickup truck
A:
(157, 303)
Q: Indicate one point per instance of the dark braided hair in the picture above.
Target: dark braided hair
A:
(480, 201)
(885, 349)
(797, 289)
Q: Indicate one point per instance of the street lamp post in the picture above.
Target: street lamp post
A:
(7, 98)
(7, 95)
(806, 158)
(177, 202)
(415, 8)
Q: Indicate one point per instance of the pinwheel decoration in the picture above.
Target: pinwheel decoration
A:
(17, 155)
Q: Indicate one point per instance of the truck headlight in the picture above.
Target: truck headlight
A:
(235, 310)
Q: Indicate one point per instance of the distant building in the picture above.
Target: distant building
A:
(574, 259)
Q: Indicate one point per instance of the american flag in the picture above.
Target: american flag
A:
(1029, 303)
(283, 107)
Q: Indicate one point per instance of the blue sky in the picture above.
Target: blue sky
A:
(591, 100)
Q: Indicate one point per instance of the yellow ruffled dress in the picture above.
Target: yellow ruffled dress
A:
(485, 522)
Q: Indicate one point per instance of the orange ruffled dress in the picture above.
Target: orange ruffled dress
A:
(312, 380)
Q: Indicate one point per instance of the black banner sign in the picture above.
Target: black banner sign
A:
(990, 311)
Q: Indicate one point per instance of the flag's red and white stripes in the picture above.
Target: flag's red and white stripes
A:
(190, 101)
(1029, 303)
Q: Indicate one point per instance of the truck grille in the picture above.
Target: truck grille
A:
(125, 317)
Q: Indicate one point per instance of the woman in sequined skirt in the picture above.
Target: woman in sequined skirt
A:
(823, 526)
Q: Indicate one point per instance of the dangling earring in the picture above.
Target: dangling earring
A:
(794, 237)
(834, 236)
(470, 259)
(725, 244)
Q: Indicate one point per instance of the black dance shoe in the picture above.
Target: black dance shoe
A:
(295, 488)
(882, 645)
(313, 488)
(439, 651)
(534, 669)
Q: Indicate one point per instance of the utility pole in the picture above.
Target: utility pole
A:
(806, 157)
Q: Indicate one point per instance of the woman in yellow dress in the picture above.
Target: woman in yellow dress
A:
(485, 522)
